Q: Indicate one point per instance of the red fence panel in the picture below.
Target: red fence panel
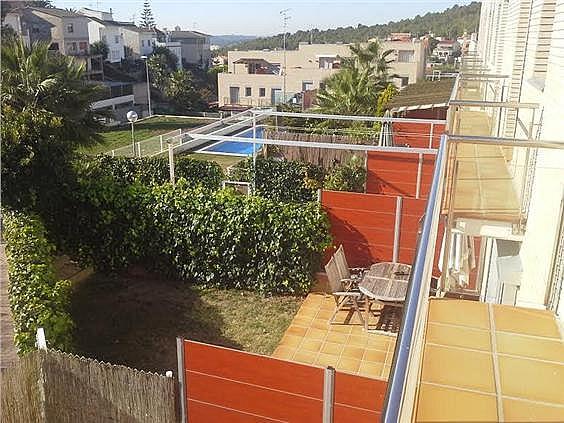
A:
(364, 224)
(232, 385)
(417, 134)
(396, 174)
(358, 399)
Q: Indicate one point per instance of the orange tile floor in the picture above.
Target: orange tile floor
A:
(485, 362)
(345, 345)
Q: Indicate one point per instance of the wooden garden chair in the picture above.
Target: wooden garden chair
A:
(352, 274)
(343, 291)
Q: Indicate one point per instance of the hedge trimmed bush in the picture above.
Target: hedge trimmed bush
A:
(216, 238)
(282, 180)
(37, 297)
(228, 240)
(152, 170)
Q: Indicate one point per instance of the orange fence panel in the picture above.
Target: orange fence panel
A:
(240, 386)
(358, 399)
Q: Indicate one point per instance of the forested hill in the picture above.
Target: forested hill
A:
(448, 23)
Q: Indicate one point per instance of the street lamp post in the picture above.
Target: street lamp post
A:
(148, 84)
(132, 118)
(285, 19)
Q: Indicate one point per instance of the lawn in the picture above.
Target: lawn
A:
(222, 160)
(133, 319)
(113, 138)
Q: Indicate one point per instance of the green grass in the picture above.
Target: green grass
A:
(113, 138)
(222, 160)
(133, 319)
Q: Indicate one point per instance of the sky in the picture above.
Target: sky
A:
(262, 17)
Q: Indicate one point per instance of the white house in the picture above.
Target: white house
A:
(102, 27)
(139, 40)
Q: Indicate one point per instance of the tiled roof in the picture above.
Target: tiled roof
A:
(422, 93)
(60, 13)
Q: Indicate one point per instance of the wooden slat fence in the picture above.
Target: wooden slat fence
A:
(324, 157)
(57, 387)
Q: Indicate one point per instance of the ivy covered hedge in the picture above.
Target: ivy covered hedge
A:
(210, 237)
(37, 297)
(294, 181)
(152, 170)
(228, 240)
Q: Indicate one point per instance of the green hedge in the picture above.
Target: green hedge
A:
(152, 170)
(228, 240)
(37, 297)
(281, 180)
(294, 181)
(210, 237)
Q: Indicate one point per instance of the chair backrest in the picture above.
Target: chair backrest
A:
(341, 262)
(333, 275)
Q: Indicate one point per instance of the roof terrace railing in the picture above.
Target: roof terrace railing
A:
(404, 373)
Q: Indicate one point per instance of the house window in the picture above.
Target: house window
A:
(262, 92)
(83, 45)
(248, 91)
(73, 46)
(70, 28)
(104, 39)
(116, 39)
(142, 43)
(406, 56)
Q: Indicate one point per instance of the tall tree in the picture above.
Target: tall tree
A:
(147, 19)
(46, 113)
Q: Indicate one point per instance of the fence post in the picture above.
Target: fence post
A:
(397, 226)
(139, 149)
(40, 339)
(181, 381)
(419, 170)
(328, 394)
(431, 135)
(171, 161)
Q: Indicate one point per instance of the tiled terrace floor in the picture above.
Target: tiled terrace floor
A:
(344, 345)
(485, 362)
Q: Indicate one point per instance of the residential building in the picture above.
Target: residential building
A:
(256, 77)
(119, 99)
(195, 47)
(102, 27)
(446, 50)
(67, 31)
(163, 39)
(138, 41)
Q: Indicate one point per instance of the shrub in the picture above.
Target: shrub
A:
(281, 180)
(227, 240)
(350, 177)
(37, 297)
(152, 170)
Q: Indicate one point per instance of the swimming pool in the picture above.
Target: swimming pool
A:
(235, 148)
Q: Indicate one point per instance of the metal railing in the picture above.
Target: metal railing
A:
(404, 373)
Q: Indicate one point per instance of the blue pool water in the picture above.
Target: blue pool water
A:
(234, 147)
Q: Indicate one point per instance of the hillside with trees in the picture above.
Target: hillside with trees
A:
(448, 23)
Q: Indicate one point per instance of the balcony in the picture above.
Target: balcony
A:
(499, 356)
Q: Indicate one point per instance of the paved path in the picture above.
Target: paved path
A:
(8, 354)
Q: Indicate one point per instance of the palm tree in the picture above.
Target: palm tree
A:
(356, 88)
(34, 78)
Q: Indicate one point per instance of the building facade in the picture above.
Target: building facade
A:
(195, 47)
(139, 41)
(522, 41)
(66, 31)
(256, 78)
(102, 27)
